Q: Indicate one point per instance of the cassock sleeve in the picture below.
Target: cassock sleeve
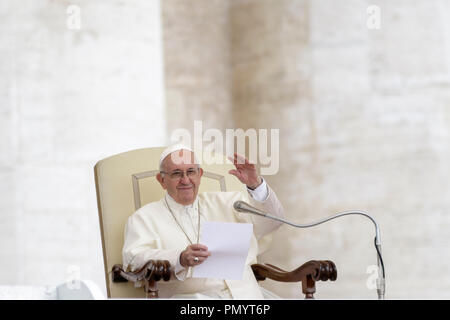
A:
(265, 199)
(142, 244)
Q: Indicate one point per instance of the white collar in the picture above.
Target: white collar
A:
(175, 206)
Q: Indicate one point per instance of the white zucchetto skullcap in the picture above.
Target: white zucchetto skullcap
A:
(173, 148)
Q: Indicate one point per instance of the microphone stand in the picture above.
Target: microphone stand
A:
(242, 206)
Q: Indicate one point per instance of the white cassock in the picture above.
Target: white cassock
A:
(152, 233)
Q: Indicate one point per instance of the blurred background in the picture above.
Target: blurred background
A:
(358, 89)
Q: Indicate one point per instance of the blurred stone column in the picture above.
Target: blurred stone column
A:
(245, 64)
(272, 90)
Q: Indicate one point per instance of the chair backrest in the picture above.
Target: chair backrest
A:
(125, 182)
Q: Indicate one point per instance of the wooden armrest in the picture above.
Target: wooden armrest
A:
(308, 274)
(152, 272)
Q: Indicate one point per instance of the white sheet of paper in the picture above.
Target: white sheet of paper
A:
(229, 244)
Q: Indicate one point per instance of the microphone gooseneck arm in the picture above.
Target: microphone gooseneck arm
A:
(242, 206)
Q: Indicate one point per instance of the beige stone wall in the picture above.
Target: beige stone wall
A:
(364, 124)
(68, 98)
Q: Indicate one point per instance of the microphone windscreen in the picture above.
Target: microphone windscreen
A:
(242, 206)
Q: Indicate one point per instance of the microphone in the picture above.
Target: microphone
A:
(244, 207)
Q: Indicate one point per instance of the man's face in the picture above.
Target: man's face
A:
(181, 178)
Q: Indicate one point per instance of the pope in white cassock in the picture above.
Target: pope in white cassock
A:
(169, 229)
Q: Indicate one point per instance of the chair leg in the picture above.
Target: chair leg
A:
(151, 289)
(308, 287)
